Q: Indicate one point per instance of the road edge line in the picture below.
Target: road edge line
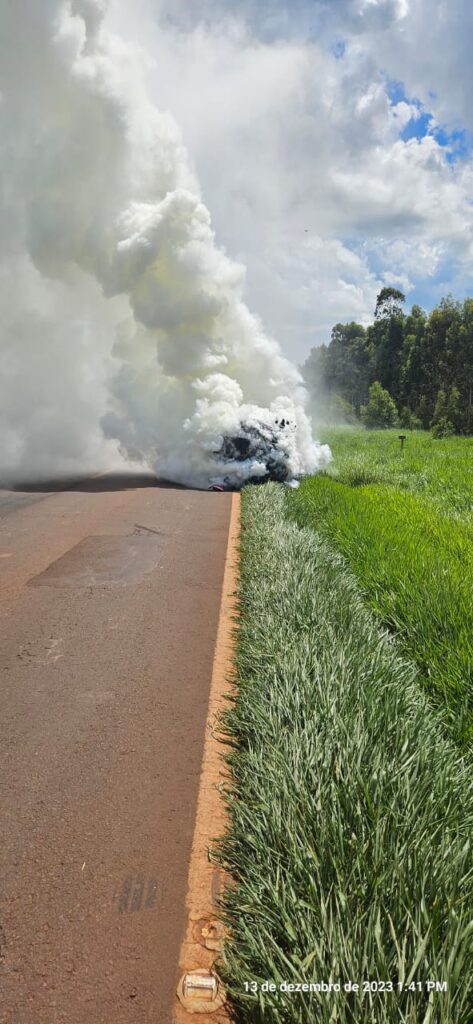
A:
(199, 948)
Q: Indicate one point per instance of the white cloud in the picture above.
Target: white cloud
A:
(430, 50)
(299, 154)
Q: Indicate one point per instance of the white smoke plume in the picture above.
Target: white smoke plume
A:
(124, 323)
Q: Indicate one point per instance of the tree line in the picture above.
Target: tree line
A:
(414, 370)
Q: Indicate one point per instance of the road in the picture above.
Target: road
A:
(109, 601)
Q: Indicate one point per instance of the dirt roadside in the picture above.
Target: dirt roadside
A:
(202, 942)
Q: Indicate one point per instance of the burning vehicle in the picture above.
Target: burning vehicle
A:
(255, 455)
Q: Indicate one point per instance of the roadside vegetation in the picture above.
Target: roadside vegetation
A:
(351, 813)
(438, 469)
(416, 571)
(414, 564)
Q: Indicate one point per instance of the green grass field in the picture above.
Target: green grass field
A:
(441, 470)
(351, 813)
(413, 561)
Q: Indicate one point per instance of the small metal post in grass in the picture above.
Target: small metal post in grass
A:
(402, 438)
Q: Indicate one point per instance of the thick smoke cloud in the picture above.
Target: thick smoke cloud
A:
(121, 307)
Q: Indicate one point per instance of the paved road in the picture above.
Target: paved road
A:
(109, 600)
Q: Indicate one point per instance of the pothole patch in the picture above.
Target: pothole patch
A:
(104, 561)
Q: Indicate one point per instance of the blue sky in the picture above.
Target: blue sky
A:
(456, 141)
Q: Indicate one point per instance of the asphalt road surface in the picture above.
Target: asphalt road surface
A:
(109, 601)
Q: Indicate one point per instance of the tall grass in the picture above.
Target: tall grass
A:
(438, 469)
(350, 814)
(415, 566)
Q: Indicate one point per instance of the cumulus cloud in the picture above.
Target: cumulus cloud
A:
(300, 153)
(429, 50)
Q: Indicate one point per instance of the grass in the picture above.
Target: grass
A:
(440, 470)
(403, 521)
(415, 566)
(350, 813)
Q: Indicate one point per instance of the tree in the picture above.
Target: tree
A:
(340, 372)
(315, 378)
(411, 376)
(460, 344)
(439, 342)
(387, 333)
(380, 410)
(446, 418)
(347, 367)
(389, 303)
(424, 363)
(408, 420)
(341, 412)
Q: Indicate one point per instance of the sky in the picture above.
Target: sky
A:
(333, 141)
